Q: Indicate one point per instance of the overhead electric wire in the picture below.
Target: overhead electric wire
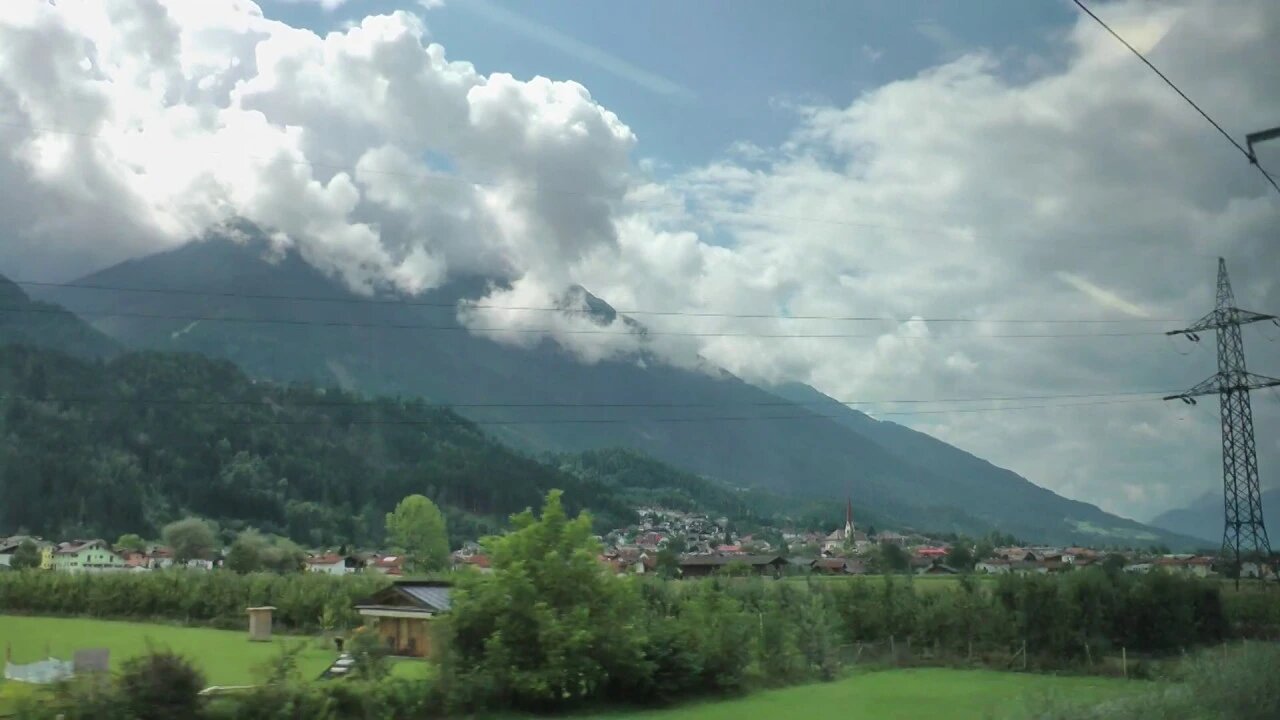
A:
(534, 308)
(553, 331)
(1248, 156)
(460, 420)
(442, 403)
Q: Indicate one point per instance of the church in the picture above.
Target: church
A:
(839, 541)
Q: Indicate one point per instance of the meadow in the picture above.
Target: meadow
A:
(922, 694)
(226, 657)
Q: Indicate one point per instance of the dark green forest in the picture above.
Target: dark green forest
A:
(127, 444)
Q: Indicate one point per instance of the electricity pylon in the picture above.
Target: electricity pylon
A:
(1244, 527)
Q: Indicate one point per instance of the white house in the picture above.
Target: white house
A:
(1251, 569)
(332, 564)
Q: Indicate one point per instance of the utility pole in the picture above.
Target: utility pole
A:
(1244, 529)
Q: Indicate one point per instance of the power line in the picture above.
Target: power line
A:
(1248, 156)
(288, 404)
(549, 331)
(534, 308)
(459, 420)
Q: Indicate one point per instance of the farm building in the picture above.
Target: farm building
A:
(703, 565)
(403, 614)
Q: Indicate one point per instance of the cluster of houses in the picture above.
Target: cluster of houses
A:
(850, 551)
(90, 556)
(98, 556)
(705, 545)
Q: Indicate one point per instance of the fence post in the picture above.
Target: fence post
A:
(1124, 662)
(893, 651)
(1088, 654)
(1024, 654)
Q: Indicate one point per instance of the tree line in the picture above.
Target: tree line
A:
(304, 601)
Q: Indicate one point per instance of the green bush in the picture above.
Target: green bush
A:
(159, 686)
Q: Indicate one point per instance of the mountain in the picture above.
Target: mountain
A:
(1204, 517)
(990, 493)
(231, 304)
(126, 445)
(25, 322)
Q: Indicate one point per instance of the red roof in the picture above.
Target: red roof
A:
(327, 559)
(480, 561)
(931, 551)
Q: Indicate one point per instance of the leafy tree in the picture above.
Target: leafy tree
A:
(892, 558)
(550, 626)
(190, 539)
(253, 552)
(960, 557)
(131, 541)
(417, 527)
(1114, 563)
(668, 563)
(26, 556)
(983, 550)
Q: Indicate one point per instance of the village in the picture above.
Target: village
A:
(678, 544)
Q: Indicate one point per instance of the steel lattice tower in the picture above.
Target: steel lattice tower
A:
(1244, 530)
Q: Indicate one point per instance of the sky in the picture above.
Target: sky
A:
(1005, 163)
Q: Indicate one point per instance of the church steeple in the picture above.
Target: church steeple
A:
(848, 518)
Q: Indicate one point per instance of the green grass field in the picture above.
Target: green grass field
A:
(925, 694)
(226, 657)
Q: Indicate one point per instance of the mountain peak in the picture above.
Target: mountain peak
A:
(10, 294)
(577, 300)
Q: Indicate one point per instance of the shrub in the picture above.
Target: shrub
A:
(159, 686)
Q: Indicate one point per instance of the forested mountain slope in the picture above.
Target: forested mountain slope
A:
(243, 302)
(92, 448)
(23, 321)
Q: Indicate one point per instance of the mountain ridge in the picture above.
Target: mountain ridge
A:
(24, 321)
(540, 398)
(961, 466)
(1203, 517)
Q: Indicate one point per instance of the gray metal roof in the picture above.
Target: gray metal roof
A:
(433, 596)
(726, 559)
